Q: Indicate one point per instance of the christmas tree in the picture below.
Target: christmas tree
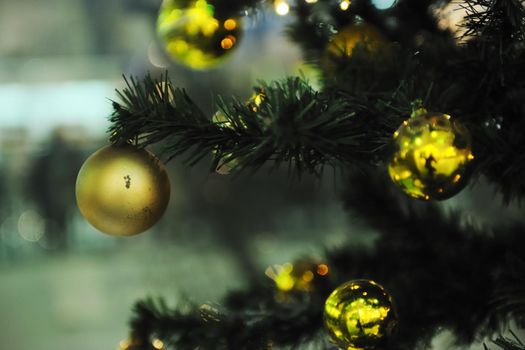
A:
(408, 113)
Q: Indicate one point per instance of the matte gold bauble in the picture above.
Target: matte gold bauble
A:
(359, 315)
(431, 157)
(122, 191)
(194, 35)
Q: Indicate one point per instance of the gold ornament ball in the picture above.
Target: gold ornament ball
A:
(122, 191)
(431, 157)
(359, 315)
(343, 44)
(194, 35)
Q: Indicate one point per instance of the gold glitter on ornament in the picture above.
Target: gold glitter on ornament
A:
(359, 315)
(431, 158)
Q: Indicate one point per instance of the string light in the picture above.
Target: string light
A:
(281, 7)
(298, 276)
(344, 5)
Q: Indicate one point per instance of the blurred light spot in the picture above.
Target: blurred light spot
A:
(310, 1)
(322, 269)
(230, 24)
(158, 344)
(226, 43)
(282, 8)
(282, 276)
(344, 5)
(308, 276)
(31, 226)
(124, 345)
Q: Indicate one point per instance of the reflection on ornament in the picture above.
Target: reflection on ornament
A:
(227, 164)
(431, 157)
(359, 315)
(296, 277)
(156, 344)
(122, 191)
(282, 8)
(194, 36)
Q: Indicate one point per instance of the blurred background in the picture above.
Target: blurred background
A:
(64, 285)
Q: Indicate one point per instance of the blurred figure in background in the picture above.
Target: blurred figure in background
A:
(51, 183)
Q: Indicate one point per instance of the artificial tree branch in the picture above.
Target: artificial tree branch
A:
(427, 259)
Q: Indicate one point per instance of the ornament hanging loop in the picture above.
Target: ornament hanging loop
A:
(418, 109)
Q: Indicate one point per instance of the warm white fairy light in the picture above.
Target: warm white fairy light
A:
(344, 5)
(281, 7)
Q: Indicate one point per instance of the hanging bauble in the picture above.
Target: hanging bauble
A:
(344, 43)
(359, 315)
(195, 34)
(431, 156)
(156, 344)
(302, 275)
(227, 164)
(122, 191)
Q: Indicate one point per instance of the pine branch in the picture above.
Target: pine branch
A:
(441, 272)
(351, 121)
(249, 320)
(510, 294)
(508, 344)
(500, 21)
(295, 125)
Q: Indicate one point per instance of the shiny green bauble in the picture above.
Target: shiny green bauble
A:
(359, 315)
(194, 35)
(431, 157)
(122, 191)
